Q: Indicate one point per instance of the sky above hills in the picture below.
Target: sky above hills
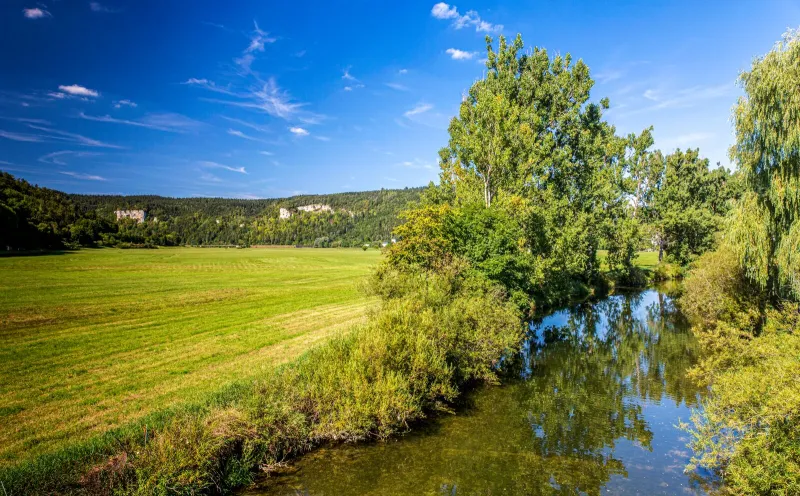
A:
(257, 99)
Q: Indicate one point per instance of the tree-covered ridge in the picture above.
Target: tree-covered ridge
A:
(35, 217)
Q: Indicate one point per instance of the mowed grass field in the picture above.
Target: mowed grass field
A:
(94, 339)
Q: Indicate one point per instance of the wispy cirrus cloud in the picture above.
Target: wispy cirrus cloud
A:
(419, 108)
(255, 127)
(269, 98)
(31, 138)
(471, 18)
(684, 98)
(72, 137)
(298, 131)
(239, 134)
(397, 86)
(457, 54)
(257, 39)
(416, 164)
(59, 158)
(216, 165)
(36, 13)
(174, 123)
(81, 175)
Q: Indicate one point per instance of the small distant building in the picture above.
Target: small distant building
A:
(138, 215)
(285, 213)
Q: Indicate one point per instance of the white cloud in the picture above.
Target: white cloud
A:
(322, 138)
(215, 165)
(347, 76)
(403, 71)
(79, 175)
(348, 88)
(420, 108)
(58, 95)
(651, 95)
(35, 13)
(445, 12)
(257, 40)
(298, 131)
(175, 123)
(457, 54)
(77, 90)
(397, 86)
(125, 103)
(268, 154)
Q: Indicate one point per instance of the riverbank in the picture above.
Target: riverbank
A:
(590, 406)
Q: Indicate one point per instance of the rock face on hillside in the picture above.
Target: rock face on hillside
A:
(138, 215)
(315, 208)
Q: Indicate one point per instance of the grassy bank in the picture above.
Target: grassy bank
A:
(97, 339)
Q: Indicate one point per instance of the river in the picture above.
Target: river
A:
(591, 406)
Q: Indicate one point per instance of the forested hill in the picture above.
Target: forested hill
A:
(35, 217)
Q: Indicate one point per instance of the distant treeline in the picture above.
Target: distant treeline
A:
(32, 217)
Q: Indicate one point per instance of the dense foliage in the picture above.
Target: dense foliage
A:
(743, 298)
(39, 218)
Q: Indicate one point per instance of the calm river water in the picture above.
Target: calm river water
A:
(591, 408)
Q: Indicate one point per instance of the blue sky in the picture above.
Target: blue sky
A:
(258, 99)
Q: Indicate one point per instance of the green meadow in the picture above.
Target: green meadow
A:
(96, 339)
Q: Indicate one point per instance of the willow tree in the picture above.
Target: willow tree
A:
(765, 228)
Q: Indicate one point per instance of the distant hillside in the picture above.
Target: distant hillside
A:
(34, 217)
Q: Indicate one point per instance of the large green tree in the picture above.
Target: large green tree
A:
(528, 135)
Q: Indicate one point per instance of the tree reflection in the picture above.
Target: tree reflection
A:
(588, 377)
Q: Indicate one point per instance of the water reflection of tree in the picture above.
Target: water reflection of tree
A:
(586, 379)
